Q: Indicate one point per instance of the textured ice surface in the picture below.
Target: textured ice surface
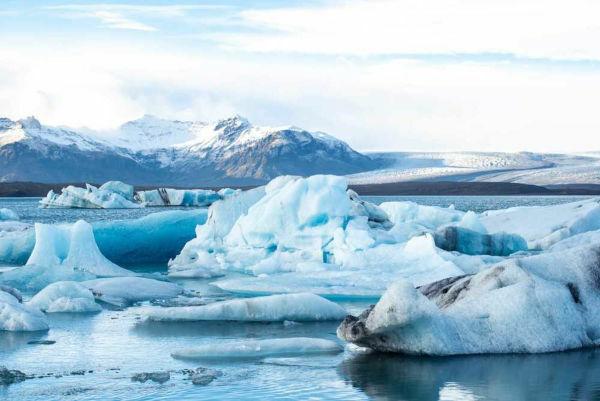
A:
(243, 349)
(128, 290)
(464, 240)
(14, 316)
(8, 214)
(112, 195)
(296, 307)
(65, 296)
(542, 226)
(178, 197)
(540, 303)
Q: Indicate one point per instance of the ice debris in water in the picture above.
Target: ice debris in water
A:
(8, 215)
(8, 376)
(539, 303)
(65, 296)
(118, 195)
(204, 376)
(15, 316)
(253, 349)
(298, 307)
(123, 291)
(157, 377)
(112, 195)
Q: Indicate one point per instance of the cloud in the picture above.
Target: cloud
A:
(116, 20)
(554, 29)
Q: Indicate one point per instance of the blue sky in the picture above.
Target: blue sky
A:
(383, 75)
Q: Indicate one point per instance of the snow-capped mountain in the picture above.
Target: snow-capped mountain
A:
(151, 150)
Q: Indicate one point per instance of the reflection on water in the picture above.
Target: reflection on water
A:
(544, 377)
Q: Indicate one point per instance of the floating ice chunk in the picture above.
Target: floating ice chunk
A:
(72, 246)
(542, 226)
(177, 197)
(274, 308)
(251, 349)
(8, 214)
(540, 303)
(227, 192)
(128, 290)
(430, 217)
(14, 316)
(16, 242)
(90, 197)
(118, 187)
(65, 296)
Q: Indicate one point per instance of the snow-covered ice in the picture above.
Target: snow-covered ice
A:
(65, 296)
(296, 307)
(15, 316)
(251, 349)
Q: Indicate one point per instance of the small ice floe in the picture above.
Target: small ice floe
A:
(204, 376)
(65, 296)
(258, 349)
(123, 291)
(8, 376)
(287, 307)
(15, 316)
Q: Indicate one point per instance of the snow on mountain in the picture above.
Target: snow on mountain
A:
(151, 150)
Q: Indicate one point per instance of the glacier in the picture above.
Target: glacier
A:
(260, 349)
(274, 308)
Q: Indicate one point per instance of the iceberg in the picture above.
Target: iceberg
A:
(543, 226)
(8, 214)
(65, 296)
(171, 229)
(539, 303)
(62, 253)
(124, 291)
(253, 349)
(464, 240)
(274, 308)
(15, 316)
(177, 197)
(109, 196)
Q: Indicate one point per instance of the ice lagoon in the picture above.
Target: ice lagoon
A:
(116, 343)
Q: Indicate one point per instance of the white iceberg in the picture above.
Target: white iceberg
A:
(65, 296)
(110, 196)
(8, 214)
(14, 316)
(274, 308)
(276, 347)
(542, 303)
(542, 226)
(128, 290)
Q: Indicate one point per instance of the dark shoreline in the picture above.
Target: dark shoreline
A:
(415, 188)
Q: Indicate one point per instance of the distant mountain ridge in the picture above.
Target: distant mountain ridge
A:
(154, 151)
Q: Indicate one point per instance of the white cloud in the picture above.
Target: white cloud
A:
(401, 104)
(116, 20)
(531, 28)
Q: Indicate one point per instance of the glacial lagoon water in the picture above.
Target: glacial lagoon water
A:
(95, 355)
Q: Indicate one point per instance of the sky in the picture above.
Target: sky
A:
(426, 75)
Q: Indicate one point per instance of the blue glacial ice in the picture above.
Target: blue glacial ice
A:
(8, 215)
(65, 296)
(274, 308)
(178, 197)
(171, 229)
(259, 349)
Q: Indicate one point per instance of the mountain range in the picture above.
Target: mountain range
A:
(154, 151)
